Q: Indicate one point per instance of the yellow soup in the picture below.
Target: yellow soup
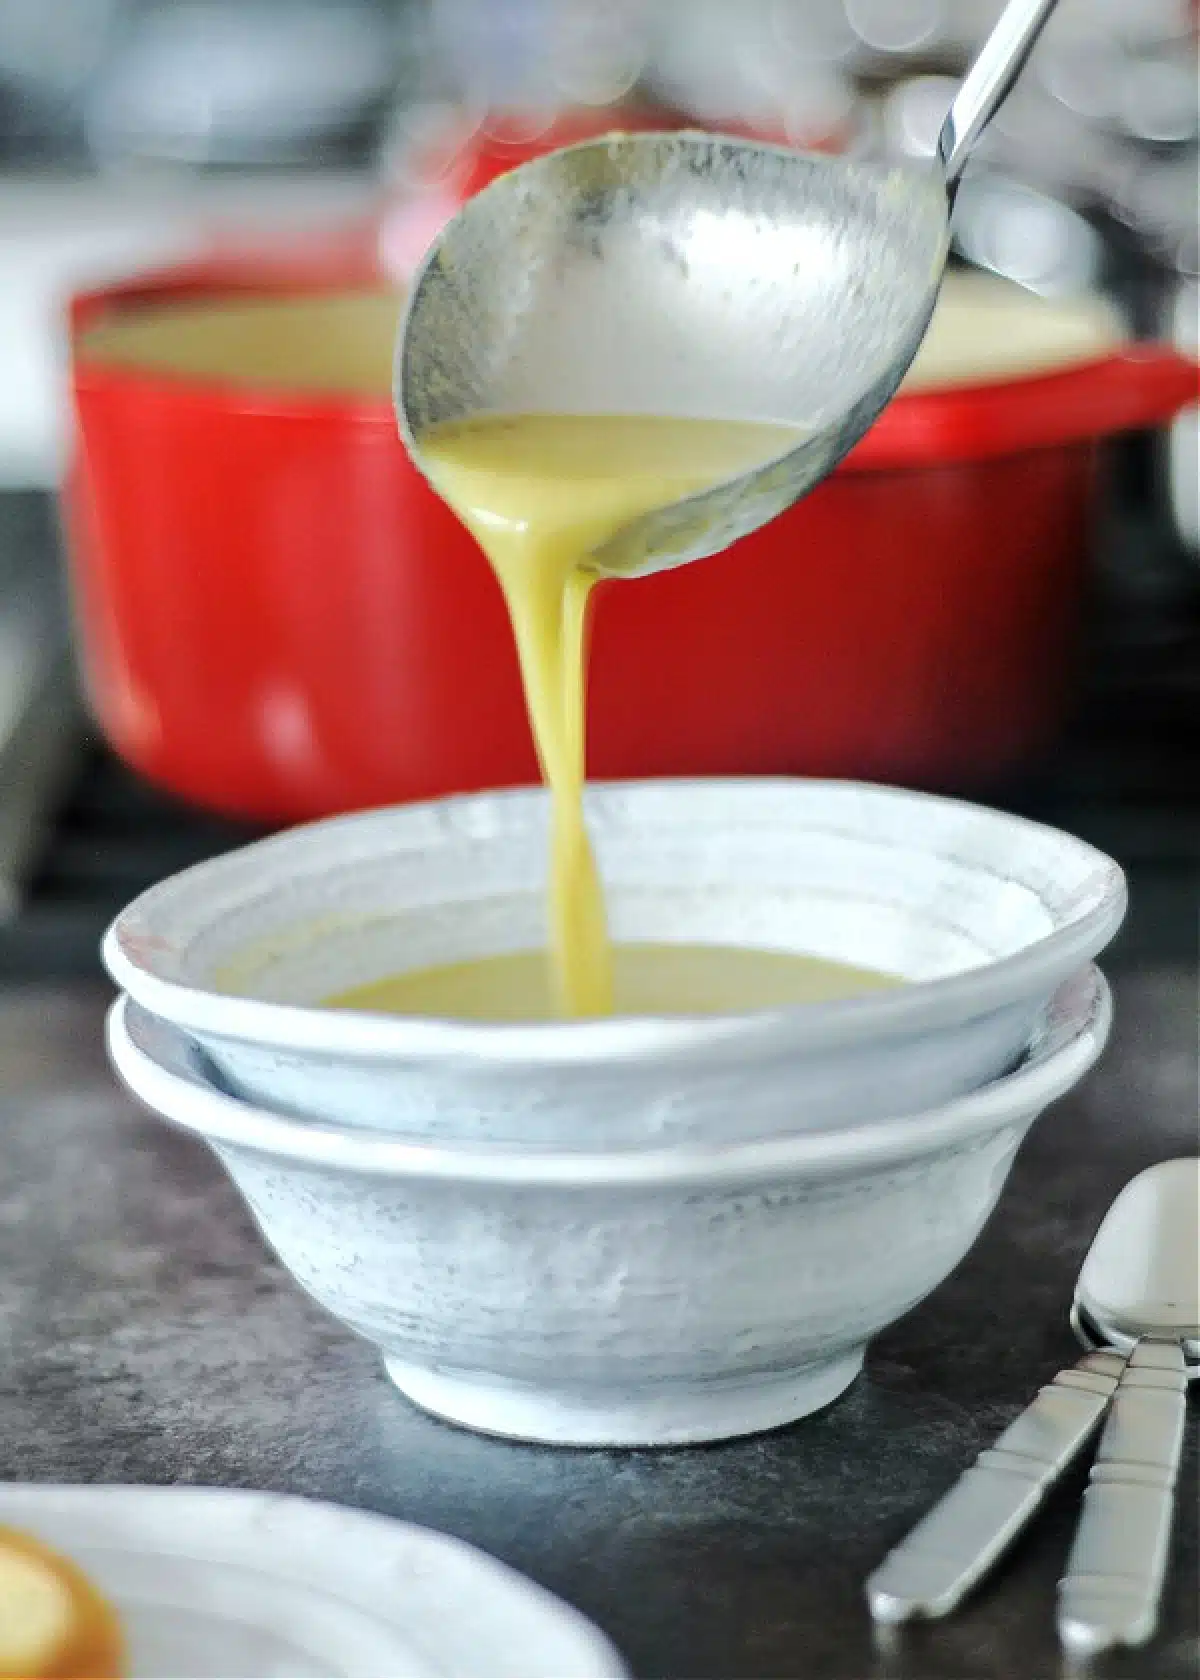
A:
(647, 980)
(542, 493)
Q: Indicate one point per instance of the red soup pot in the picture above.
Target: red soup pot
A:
(280, 620)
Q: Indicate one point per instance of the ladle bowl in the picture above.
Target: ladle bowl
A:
(680, 274)
(696, 275)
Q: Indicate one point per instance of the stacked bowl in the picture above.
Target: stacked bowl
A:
(631, 1230)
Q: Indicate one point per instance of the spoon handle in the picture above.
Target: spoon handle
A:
(1109, 1595)
(952, 1548)
(1001, 60)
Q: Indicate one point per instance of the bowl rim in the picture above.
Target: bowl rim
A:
(131, 945)
(1076, 1025)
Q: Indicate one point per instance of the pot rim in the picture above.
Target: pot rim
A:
(1136, 386)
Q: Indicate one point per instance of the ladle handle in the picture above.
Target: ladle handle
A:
(956, 1544)
(989, 80)
(1110, 1593)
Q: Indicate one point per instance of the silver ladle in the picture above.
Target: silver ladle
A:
(693, 275)
(1137, 1309)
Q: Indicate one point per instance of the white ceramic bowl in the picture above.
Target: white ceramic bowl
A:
(626, 1297)
(986, 913)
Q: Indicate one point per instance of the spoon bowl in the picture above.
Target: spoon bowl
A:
(1141, 1276)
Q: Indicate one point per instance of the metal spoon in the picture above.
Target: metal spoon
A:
(1139, 1291)
(686, 274)
(1139, 1277)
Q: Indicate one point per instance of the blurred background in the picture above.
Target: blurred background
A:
(142, 134)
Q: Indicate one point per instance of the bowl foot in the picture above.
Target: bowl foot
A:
(670, 1415)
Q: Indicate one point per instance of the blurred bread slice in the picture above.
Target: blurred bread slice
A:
(54, 1625)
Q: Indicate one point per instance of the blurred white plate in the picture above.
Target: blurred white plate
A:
(215, 1583)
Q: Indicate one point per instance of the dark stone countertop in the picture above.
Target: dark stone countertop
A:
(146, 1336)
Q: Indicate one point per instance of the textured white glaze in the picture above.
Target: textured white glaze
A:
(630, 1296)
(985, 913)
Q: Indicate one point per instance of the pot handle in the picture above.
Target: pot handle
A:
(1144, 385)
